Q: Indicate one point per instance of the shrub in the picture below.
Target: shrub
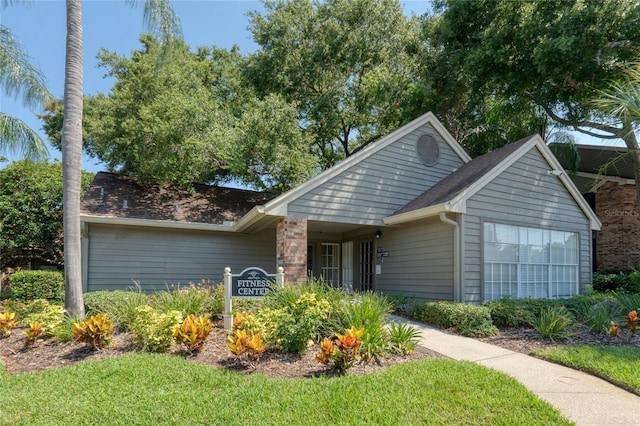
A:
(248, 321)
(153, 330)
(403, 338)
(30, 285)
(285, 332)
(293, 317)
(120, 305)
(402, 305)
(554, 323)
(7, 323)
(628, 301)
(18, 308)
(33, 333)
(95, 331)
(633, 282)
(509, 312)
(196, 299)
(605, 282)
(64, 332)
(470, 320)
(49, 316)
(598, 317)
(368, 311)
(596, 312)
(343, 351)
(246, 344)
(193, 332)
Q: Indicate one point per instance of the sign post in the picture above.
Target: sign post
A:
(252, 282)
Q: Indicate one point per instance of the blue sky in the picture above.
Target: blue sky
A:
(39, 27)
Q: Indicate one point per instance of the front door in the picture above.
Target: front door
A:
(365, 266)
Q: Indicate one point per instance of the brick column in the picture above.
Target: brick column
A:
(291, 248)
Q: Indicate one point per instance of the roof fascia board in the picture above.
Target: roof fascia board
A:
(425, 213)
(249, 219)
(602, 147)
(113, 220)
(278, 206)
(568, 183)
(604, 178)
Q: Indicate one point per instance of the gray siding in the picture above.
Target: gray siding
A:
(523, 195)
(157, 257)
(377, 186)
(420, 262)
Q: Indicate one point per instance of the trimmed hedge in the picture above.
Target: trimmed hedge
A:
(31, 285)
(470, 320)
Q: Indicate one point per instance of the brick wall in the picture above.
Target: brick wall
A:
(291, 248)
(618, 242)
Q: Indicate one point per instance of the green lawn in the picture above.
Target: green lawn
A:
(617, 364)
(145, 389)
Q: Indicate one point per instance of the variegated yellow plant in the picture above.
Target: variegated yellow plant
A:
(245, 344)
(35, 330)
(193, 332)
(95, 331)
(7, 323)
(343, 351)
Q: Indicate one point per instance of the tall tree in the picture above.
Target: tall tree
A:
(347, 66)
(19, 78)
(192, 120)
(544, 60)
(157, 13)
(72, 161)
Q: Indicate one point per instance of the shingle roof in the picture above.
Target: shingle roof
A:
(452, 185)
(207, 204)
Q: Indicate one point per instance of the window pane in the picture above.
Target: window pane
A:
(330, 263)
(500, 280)
(501, 252)
(529, 262)
(506, 234)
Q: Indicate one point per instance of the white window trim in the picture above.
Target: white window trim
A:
(549, 264)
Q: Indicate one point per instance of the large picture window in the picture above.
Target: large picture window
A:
(529, 262)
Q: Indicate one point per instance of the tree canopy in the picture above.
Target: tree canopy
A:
(348, 66)
(528, 63)
(31, 212)
(191, 120)
(330, 77)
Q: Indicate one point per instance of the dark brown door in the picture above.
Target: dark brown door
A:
(365, 266)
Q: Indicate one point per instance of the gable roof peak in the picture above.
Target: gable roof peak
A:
(277, 206)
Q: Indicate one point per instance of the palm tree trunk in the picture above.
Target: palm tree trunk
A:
(72, 159)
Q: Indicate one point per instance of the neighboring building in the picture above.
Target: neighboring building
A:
(605, 177)
(410, 214)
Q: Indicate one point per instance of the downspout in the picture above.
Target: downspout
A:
(456, 256)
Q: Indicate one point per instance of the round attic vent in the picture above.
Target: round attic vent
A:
(428, 150)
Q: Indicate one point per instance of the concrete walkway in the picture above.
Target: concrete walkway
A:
(580, 397)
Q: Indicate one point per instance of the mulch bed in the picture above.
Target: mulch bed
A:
(51, 353)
